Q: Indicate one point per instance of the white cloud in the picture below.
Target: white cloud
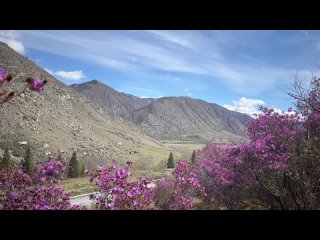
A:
(49, 71)
(15, 45)
(172, 37)
(9, 34)
(205, 53)
(10, 37)
(187, 92)
(145, 90)
(72, 75)
(281, 112)
(245, 105)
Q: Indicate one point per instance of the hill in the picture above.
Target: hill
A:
(61, 119)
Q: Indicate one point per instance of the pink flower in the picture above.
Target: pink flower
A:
(35, 84)
(4, 77)
(129, 163)
(135, 202)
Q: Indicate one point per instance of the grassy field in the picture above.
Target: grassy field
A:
(147, 162)
(77, 186)
(185, 150)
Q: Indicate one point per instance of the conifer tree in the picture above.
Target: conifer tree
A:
(193, 157)
(170, 163)
(59, 157)
(27, 161)
(5, 160)
(82, 174)
(73, 166)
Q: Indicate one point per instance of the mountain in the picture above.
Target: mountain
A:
(168, 118)
(187, 119)
(112, 102)
(61, 119)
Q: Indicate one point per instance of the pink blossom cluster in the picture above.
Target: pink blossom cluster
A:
(36, 191)
(114, 191)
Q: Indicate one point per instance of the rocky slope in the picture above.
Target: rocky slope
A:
(187, 119)
(112, 102)
(168, 118)
(60, 119)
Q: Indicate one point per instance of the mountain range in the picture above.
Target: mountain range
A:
(99, 122)
(168, 118)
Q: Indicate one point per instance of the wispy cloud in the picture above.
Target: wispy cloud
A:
(203, 54)
(245, 105)
(49, 71)
(10, 37)
(72, 75)
(145, 90)
(187, 92)
(173, 37)
(279, 111)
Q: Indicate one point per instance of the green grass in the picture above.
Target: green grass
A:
(151, 158)
(185, 149)
(147, 162)
(77, 186)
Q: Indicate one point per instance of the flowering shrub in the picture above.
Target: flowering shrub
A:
(219, 171)
(280, 165)
(36, 191)
(4, 95)
(33, 84)
(164, 192)
(177, 193)
(115, 192)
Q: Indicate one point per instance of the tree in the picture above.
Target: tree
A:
(5, 160)
(82, 172)
(193, 157)
(27, 161)
(59, 158)
(170, 163)
(73, 166)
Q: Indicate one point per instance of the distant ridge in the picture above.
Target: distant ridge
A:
(112, 102)
(168, 118)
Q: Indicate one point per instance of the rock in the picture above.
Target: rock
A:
(151, 185)
(46, 145)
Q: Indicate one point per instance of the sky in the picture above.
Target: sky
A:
(239, 70)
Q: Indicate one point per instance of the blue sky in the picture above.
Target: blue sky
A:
(236, 69)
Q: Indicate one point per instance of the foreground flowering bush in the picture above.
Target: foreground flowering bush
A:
(115, 192)
(220, 173)
(36, 191)
(33, 84)
(179, 191)
(279, 166)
